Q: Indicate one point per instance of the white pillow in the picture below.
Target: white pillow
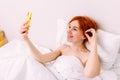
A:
(61, 32)
(108, 43)
(108, 49)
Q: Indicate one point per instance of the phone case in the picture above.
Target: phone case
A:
(29, 16)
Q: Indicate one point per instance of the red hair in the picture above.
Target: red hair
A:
(84, 23)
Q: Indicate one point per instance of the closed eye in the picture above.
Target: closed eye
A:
(75, 29)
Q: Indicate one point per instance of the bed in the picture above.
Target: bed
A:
(16, 62)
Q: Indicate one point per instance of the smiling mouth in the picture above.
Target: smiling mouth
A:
(69, 36)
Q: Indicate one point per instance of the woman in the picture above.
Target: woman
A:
(80, 30)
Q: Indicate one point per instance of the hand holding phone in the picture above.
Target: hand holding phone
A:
(27, 23)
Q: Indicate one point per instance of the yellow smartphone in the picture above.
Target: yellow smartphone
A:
(29, 16)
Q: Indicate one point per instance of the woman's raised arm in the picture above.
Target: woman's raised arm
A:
(92, 67)
(43, 58)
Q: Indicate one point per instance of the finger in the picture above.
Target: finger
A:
(25, 28)
(24, 31)
(25, 24)
(90, 30)
(87, 36)
(24, 35)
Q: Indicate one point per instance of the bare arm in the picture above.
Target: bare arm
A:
(92, 67)
(43, 58)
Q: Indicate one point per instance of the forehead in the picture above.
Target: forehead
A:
(74, 23)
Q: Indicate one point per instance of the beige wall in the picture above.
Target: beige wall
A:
(47, 12)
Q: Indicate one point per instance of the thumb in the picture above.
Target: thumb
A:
(87, 36)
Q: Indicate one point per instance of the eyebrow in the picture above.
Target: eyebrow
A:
(75, 27)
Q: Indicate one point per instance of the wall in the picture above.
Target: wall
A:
(47, 12)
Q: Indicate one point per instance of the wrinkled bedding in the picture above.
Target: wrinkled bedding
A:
(16, 63)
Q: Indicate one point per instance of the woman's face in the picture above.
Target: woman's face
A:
(74, 32)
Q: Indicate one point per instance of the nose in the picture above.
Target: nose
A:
(69, 31)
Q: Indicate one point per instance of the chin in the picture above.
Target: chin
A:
(69, 40)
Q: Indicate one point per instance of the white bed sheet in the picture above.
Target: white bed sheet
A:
(16, 63)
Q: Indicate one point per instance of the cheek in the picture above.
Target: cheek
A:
(80, 36)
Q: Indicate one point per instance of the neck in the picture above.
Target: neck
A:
(78, 46)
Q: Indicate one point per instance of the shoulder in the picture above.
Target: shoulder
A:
(63, 47)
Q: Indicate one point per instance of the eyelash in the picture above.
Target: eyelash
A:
(73, 28)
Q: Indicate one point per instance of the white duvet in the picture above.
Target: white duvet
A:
(16, 63)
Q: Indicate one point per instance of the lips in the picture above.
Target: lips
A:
(69, 36)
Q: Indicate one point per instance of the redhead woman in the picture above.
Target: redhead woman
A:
(75, 61)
